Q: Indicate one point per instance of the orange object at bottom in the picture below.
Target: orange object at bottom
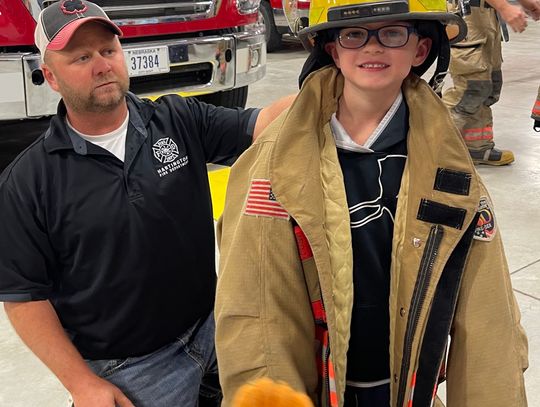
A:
(265, 392)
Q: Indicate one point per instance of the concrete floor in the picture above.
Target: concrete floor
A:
(515, 189)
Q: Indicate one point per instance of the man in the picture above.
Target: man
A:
(476, 73)
(357, 235)
(106, 234)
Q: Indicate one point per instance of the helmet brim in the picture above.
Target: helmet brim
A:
(450, 20)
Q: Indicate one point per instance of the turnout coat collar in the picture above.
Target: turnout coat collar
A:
(434, 225)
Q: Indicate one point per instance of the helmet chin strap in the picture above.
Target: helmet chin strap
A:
(441, 52)
(443, 61)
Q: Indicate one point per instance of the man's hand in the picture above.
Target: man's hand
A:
(99, 392)
(38, 325)
(514, 16)
(532, 8)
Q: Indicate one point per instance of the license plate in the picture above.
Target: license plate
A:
(147, 61)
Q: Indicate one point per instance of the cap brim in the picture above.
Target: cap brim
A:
(449, 19)
(61, 39)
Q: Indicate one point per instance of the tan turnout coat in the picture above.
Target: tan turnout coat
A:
(264, 322)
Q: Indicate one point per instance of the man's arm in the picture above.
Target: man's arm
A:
(514, 16)
(269, 113)
(532, 8)
(37, 323)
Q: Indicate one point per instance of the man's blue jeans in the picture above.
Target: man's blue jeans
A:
(173, 376)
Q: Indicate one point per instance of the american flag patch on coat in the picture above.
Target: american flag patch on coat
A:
(262, 202)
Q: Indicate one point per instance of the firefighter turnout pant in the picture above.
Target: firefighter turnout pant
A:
(475, 67)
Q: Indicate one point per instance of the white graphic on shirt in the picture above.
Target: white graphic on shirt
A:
(173, 166)
(365, 212)
(165, 150)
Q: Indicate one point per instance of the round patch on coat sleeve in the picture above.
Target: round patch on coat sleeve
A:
(486, 228)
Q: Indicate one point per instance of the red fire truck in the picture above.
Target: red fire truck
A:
(213, 48)
(276, 20)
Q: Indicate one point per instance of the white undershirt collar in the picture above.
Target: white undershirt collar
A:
(114, 141)
(345, 142)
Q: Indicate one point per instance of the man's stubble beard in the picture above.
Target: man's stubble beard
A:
(94, 103)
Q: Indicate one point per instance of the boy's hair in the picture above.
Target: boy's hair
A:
(319, 58)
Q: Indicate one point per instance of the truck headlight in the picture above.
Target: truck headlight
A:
(247, 6)
(254, 56)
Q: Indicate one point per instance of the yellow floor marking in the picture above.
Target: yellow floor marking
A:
(184, 94)
(218, 187)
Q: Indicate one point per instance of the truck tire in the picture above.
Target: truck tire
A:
(230, 98)
(271, 35)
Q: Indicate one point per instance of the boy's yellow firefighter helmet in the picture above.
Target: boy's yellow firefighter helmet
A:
(327, 14)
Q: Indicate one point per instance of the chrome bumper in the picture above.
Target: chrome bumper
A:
(216, 63)
(21, 98)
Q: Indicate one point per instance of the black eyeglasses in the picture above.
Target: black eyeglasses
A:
(390, 36)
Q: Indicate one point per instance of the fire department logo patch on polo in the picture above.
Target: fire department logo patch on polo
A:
(165, 150)
(261, 201)
(486, 226)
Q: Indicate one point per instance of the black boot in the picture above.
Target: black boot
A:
(492, 156)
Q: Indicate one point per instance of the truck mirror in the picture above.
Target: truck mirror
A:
(294, 19)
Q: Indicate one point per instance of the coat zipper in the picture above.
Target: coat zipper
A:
(327, 375)
(419, 296)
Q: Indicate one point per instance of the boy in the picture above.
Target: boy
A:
(357, 236)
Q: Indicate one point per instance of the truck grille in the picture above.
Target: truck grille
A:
(180, 78)
(136, 12)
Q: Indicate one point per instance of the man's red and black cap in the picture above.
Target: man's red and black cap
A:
(58, 22)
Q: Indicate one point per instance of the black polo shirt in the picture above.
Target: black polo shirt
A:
(123, 250)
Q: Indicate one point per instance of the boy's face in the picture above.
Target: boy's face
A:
(373, 66)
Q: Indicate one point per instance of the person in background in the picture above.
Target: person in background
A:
(357, 236)
(106, 235)
(535, 114)
(476, 73)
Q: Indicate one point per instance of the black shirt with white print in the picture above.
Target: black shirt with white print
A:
(121, 244)
(372, 175)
